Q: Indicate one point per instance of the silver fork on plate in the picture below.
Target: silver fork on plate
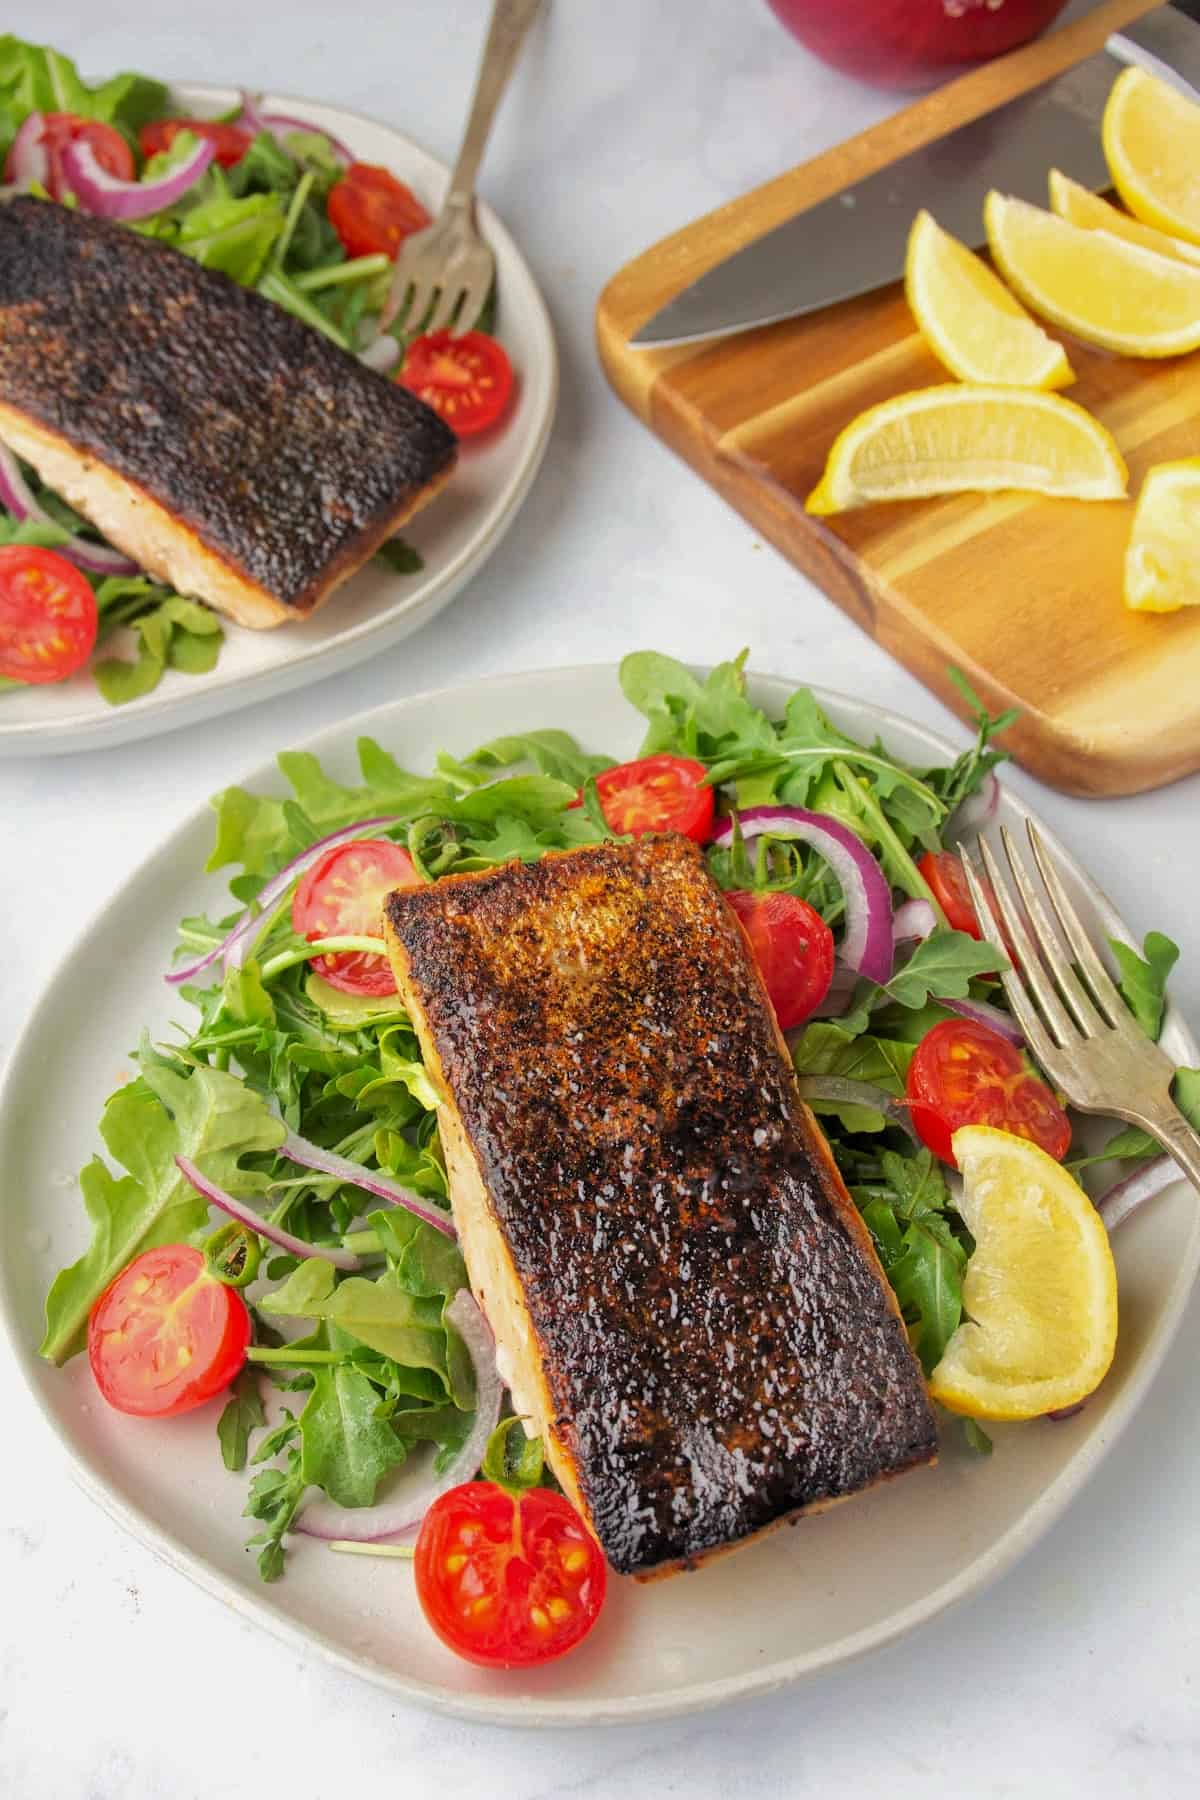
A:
(449, 260)
(1074, 1020)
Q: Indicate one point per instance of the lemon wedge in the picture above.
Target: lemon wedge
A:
(1103, 288)
(970, 320)
(1079, 207)
(962, 439)
(1162, 563)
(1040, 1291)
(1151, 140)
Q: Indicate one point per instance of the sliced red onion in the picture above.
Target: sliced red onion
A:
(381, 354)
(252, 118)
(312, 1156)
(839, 995)
(27, 161)
(1123, 1199)
(867, 945)
(234, 947)
(111, 198)
(404, 1511)
(915, 919)
(1065, 1412)
(17, 496)
(841, 1090)
(982, 1013)
(246, 1215)
(976, 811)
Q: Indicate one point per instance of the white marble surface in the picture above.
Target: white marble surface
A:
(118, 1681)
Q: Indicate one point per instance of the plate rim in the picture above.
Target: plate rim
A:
(579, 1711)
(154, 715)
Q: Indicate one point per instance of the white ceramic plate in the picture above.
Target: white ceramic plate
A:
(455, 534)
(835, 1586)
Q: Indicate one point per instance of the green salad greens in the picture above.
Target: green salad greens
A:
(264, 221)
(272, 1047)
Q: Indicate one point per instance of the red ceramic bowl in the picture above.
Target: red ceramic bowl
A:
(911, 43)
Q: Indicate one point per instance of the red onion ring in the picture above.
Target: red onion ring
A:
(232, 946)
(381, 354)
(973, 813)
(981, 1012)
(27, 161)
(15, 494)
(915, 919)
(1123, 1199)
(404, 1511)
(867, 946)
(252, 118)
(111, 198)
(311, 1156)
(246, 1215)
(844, 1091)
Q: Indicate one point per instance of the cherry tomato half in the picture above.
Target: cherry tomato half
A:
(342, 895)
(944, 873)
(372, 212)
(48, 618)
(467, 380)
(230, 142)
(793, 947)
(965, 1074)
(657, 793)
(60, 129)
(166, 1335)
(508, 1579)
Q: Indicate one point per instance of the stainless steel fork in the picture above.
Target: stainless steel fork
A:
(1074, 1020)
(449, 262)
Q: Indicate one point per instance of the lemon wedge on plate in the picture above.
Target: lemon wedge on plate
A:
(958, 439)
(1162, 563)
(1040, 1291)
(1103, 288)
(970, 320)
(1080, 207)
(1151, 140)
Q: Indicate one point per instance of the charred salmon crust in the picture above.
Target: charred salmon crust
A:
(715, 1346)
(204, 411)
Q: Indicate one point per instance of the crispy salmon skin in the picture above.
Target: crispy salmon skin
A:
(683, 1295)
(231, 450)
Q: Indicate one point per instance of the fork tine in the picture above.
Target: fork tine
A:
(1053, 954)
(1030, 963)
(1096, 975)
(448, 298)
(474, 295)
(1023, 1010)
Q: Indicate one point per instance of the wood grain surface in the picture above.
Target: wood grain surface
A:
(1021, 593)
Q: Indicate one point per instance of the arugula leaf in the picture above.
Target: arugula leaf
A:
(944, 963)
(825, 1047)
(966, 773)
(400, 557)
(243, 1412)
(554, 753)
(34, 78)
(1143, 979)
(926, 1279)
(379, 1313)
(426, 1262)
(976, 1438)
(918, 1183)
(208, 1116)
(275, 1497)
(346, 1448)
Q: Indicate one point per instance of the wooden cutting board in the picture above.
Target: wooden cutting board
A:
(1021, 593)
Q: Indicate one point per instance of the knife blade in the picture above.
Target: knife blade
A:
(855, 240)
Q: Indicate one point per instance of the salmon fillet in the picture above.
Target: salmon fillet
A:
(229, 449)
(684, 1298)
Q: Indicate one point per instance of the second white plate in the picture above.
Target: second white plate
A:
(455, 534)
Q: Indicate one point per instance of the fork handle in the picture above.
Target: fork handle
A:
(511, 20)
(1177, 1138)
